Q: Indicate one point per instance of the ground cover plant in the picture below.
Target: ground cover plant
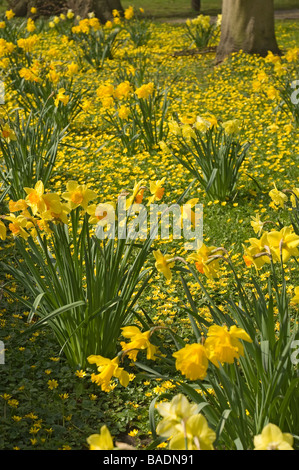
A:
(110, 337)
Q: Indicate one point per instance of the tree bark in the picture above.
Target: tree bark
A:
(195, 5)
(247, 25)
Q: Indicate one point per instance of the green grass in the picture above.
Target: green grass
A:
(177, 8)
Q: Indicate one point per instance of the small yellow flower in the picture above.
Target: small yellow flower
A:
(52, 384)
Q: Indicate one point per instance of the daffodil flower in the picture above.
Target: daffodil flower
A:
(272, 438)
(173, 413)
(108, 368)
(78, 195)
(223, 345)
(192, 361)
(163, 264)
(2, 231)
(278, 197)
(295, 299)
(157, 190)
(194, 434)
(138, 342)
(102, 441)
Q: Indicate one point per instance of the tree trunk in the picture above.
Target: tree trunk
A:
(247, 25)
(195, 5)
(101, 8)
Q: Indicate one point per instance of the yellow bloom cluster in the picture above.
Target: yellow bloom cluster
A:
(275, 245)
(222, 345)
(86, 25)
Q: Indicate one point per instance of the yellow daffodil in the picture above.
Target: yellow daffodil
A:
(139, 341)
(137, 195)
(145, 91)
(257, 224)
(102, 441)
(9, 14)
(272, 438)
(18, 225)
(35, 198)
(192, 361)
(203, 261)
(278, 197)
(7, 133)
(283, 243)
(61, 97)
(30, 25)
(223, 345)
(295, 299)
(123, 90)
(231, 127)
(194, 434)
(129, 13)
(78, 195)
(252, 254)
(101, 214)
(163, 264)
(157, 190)
(108, 368)
(174, 412)
(2, 231)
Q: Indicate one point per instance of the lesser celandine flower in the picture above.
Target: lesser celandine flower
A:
(163, 264)
(139, 341)
(272, 438)
(192, 361)
(223, 345)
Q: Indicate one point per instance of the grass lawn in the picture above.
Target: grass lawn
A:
(177, 8)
